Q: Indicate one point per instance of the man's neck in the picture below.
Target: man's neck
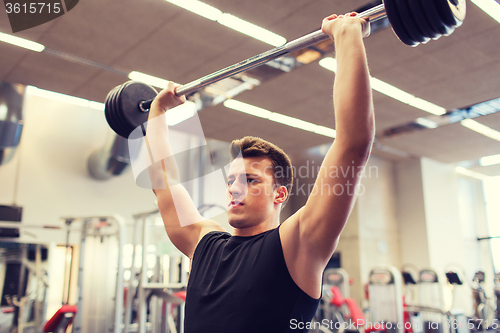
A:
(257, 229)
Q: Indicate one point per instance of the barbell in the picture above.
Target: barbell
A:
(413, 22)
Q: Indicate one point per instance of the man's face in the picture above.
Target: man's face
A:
(251, 194)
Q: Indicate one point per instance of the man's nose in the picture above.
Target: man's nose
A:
(237, 187)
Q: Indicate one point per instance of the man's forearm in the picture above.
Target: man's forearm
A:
(163, 169)
(352, 92)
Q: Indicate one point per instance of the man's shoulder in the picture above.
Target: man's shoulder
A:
(215, 235)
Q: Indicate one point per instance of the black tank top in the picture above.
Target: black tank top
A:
(242, 285)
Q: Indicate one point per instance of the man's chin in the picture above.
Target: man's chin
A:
(236, 222)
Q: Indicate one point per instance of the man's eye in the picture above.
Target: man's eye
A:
(251, 180)
(229, 183)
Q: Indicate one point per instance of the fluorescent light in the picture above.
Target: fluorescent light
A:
(151, 80)
(96, 105)
(427, 106)
(391, 91)
(490, 7)
(180, 113)
(469, 173)
(480, 128)
(199, 8)
(293, 122)
(21, 42)
(279, 118)
(173, 116)
(230, 21)
(247, 108)
(404, 97)
(34, 91)
(251, 30)
(329, 63)
(3, 111)
(489, 160)
(426, 123)
(326, 131)
(57, 96)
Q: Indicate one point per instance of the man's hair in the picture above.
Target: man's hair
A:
(251, 146)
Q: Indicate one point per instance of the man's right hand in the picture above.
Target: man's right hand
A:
(166, 99)
(335, 24)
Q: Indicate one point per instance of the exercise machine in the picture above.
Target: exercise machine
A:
(386, 298)
(461, 307)
(156, 289)
(412, 319)
(329, 313)
(24, 284)
(60, 321)
(100, 274)
(484, 312)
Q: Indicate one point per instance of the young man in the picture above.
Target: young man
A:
(267, 277)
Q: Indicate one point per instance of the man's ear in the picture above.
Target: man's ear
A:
(281, 195)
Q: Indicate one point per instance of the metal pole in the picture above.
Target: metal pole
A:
(77, 322)
(143, 280)
(373, 14)
(133, 270)
(120, 222)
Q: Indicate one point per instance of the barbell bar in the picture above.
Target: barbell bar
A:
(413, 22)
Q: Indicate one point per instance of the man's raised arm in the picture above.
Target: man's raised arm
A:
(323, 217)
(183, 223)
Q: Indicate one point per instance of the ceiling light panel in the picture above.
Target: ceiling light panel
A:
(198, 8)
(391, 91)
(21, 42)
(251, 30)
(247, 108)
(481, 129)
(279, 118)
(231, 21)
(490, 7)
(148, 79)
(489, 160)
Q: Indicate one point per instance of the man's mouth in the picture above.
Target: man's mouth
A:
(235, 203)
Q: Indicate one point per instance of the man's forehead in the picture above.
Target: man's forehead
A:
(249, 165)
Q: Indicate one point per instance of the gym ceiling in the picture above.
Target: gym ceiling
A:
(161, 39)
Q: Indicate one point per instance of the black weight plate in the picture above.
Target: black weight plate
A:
(396, 24)
(451, 13)
(121, 127)
(118, 112)
(434, 17)
(132, 94)
(445, 12)
(112, 110)
(409, 22)
(421, 20)
(109, 110)
(123, 106)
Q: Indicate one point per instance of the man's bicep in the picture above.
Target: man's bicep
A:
(184, 224)
(333, 196)
(180, 217)
(187, 238)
